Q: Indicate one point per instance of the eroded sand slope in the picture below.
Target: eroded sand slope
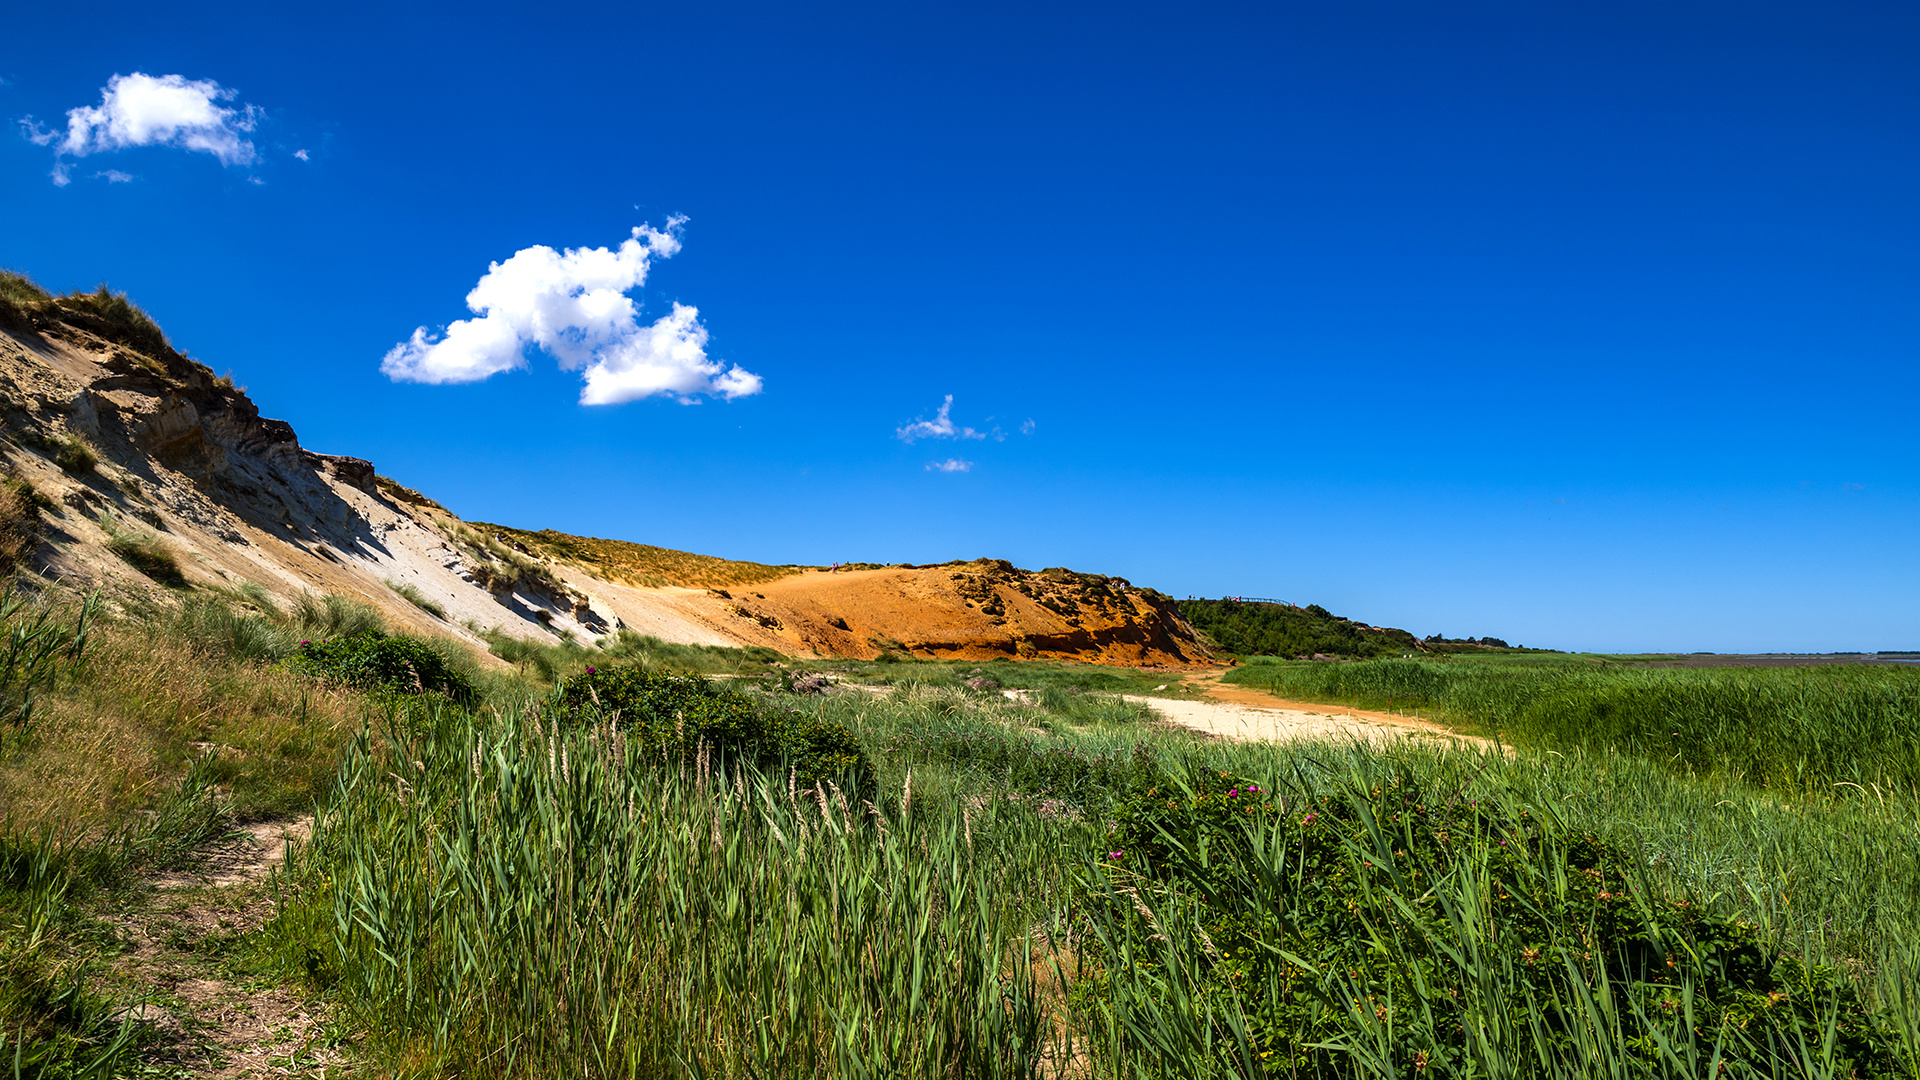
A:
(187, 458)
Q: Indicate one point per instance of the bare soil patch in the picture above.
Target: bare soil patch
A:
(209, 1019)
(1238, 712)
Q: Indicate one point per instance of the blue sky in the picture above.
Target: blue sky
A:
(1588, 326)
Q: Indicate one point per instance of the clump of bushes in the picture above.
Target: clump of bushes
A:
(386, 664)
(1425, 917)
(681, 717)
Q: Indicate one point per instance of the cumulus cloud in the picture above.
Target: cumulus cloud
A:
(302, 154)
(940, 427)
(573, 305)
(146, 110)
(950, 465)
(1026, 427)
(114, 176)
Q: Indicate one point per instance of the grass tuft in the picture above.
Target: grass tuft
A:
(142, 550)
(412, 595)
(114, 317)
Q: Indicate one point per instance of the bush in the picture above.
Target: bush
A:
(375, 661)
(681, 717)
(1426, 917)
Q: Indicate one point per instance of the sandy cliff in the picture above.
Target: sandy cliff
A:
(187, 458)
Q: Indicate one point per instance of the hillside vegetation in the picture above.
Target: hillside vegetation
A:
(1261, 628)
(638, 564)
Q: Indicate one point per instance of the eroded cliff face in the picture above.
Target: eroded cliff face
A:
(115, 440)
(969, 611)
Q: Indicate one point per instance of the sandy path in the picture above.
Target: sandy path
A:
(1237, 712)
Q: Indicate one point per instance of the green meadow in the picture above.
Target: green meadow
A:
(696, 862)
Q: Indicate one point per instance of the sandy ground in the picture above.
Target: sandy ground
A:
(1236, 712)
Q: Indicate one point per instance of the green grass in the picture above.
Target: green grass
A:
(491, 893)
(1009, 674)
(1788, 729)
(548, 663)
(20, 300)
(114, 317)
(412, 595)
(74, 455)
(504, 894)
(142, 550)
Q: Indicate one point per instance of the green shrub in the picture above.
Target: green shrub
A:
(1424, 918)
(373, 660)
(681, 717)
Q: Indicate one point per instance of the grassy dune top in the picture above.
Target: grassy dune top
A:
(639, 564)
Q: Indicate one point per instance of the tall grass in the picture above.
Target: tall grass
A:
(508, 901)
(1791, 729)
(491, 897)
(142, 550)
(548, 663)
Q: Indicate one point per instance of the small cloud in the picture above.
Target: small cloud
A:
(950, 465)
(1026, 427)
(573, 305)
(1850, 486)
(147, 110)
(302, 155)
(114, 176)
(940, 427)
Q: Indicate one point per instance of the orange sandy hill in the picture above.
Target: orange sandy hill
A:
(974, 610)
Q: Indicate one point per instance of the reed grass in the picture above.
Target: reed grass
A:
(492, 897)
(513, 901)
(1789, 729)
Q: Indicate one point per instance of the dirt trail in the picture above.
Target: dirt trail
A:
(211, 1020)
(1237, 712)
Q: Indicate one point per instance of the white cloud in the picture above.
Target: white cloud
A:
(573, 304)
(145, 110)
(302, 155)
(1026, 427)
(940, 427)
(114, 176)
(950, 465)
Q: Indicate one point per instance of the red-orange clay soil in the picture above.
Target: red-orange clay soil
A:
(969, 611)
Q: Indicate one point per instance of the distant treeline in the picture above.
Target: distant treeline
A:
(1256, 628)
